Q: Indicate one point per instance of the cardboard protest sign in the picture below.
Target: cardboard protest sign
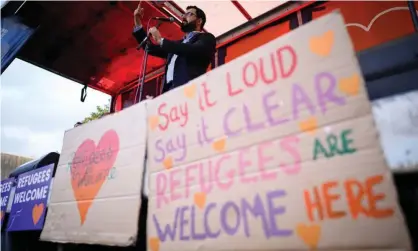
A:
(6, 187)
(276, 150)
(30, 200)
(96, 195)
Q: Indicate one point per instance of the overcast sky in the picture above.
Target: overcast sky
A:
(38, 106)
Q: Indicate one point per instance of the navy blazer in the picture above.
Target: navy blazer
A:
(193, 57)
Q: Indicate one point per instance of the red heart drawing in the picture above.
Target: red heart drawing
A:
(90, 168)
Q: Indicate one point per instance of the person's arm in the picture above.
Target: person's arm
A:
(139, 33)
(205, 46)
(154, 50)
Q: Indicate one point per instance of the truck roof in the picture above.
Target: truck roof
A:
(91, 42)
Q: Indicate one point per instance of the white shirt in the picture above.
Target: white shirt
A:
(170, 69)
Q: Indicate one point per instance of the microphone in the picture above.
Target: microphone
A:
(164, 19)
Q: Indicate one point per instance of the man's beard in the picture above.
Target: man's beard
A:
(188, 27)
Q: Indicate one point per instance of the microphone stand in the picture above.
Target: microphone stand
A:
(141, 79)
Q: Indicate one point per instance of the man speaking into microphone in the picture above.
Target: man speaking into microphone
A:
(186, 59)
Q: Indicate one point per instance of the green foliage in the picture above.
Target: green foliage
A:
(100, 111)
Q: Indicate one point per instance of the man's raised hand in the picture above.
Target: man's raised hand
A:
(138, 14)
(156, 35)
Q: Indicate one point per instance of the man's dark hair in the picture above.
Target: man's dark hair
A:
(199, 14)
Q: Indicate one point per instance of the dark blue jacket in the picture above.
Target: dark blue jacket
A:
(193, 57)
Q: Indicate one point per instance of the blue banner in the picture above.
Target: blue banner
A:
(14, 35)
(6, 187)
(30, 200)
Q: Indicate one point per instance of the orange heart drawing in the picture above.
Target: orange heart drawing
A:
(168, 162)
(153, 122)
(309, 125)
(350, 85)
(37, 212)
(309, 234)
(154, 243)
(90, 169)
(190, 91)
(219, 145)
(200, 199)
(322, 45)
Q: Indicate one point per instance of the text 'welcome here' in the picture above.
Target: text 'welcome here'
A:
(361, 199)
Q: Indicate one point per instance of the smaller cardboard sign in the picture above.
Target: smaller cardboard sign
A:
(6, 187)
(397, 121)
(96, 194)
(30, 200)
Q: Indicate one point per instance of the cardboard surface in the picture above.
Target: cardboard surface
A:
(276, 150)
(397, 122)
(100, 206)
